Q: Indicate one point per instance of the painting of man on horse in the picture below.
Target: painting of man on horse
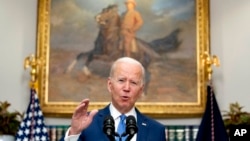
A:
(117, 38)
(111, 42)
(85, 59)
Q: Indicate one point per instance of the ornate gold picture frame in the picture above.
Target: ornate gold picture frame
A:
(67, 30)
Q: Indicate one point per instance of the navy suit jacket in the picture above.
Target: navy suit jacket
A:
(148, 129)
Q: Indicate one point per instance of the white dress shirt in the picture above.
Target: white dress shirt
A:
(115, 114)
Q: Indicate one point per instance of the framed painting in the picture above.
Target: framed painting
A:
(75, 52)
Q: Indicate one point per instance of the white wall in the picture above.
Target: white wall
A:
(17, 40)
(230, 41)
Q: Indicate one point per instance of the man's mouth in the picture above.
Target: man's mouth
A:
(124, 97)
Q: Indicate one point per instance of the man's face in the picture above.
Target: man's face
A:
(125, 86)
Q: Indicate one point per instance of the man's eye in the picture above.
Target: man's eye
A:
(134, 83)
(120, 80)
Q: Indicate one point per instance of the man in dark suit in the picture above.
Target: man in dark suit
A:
(125, 84)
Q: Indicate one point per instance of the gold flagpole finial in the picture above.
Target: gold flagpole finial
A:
(32, 62)
(207, 62)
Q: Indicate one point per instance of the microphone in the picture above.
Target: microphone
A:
(109, 127)
(131, 127)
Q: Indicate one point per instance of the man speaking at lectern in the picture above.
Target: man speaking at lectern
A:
(125, 85)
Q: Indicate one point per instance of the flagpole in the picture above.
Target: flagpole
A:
(33, 127)
(211, 127)
(212, 113)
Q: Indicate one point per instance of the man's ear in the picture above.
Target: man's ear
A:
(109, 84)
(142, 90)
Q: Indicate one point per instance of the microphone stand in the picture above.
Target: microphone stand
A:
(129, 137)
(122, 135)
(111, 138)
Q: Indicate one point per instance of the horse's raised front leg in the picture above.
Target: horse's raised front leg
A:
(86, 70)
(71, 66)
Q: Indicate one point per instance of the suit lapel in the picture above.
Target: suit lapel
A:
(142, 124)
(100, 117)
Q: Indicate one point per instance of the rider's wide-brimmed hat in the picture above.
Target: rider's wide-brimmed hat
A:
(131, 1)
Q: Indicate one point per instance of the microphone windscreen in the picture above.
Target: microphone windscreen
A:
(108, 120)
(130, 120)
(109, 125)
(131, 127)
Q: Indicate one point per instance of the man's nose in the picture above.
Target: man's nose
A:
(127, 86)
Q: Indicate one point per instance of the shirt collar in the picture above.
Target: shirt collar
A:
(115, 113)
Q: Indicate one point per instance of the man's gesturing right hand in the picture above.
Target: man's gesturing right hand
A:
(81, 119)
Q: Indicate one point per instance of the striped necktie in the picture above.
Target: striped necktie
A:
(121, 127)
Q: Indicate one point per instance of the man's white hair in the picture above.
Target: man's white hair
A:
(127, 60)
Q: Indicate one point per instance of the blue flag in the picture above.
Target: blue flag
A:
(32, 128)
(212, 126)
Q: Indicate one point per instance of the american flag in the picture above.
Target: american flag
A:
(32, 128)
(212, 127)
